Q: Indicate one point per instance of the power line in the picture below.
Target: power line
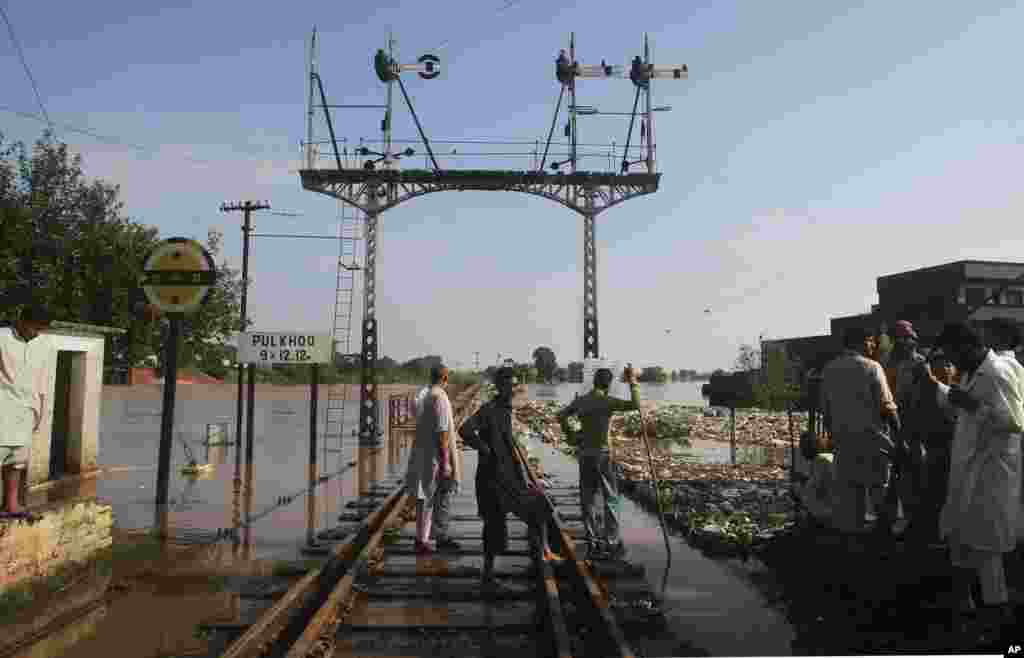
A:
(95, 135)
(508, 4)
(24, 63)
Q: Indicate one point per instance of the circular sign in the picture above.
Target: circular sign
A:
(177, 275)
(432, 64)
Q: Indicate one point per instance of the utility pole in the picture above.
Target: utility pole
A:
(247, 207)
(476, 361)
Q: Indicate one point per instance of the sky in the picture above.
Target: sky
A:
(814, 148)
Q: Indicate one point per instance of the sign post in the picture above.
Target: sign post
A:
(294, 348)
(176, 278)
(314, 394)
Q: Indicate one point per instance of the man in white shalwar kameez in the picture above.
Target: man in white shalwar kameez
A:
(24, 374)
(435, 464)
(979, 518)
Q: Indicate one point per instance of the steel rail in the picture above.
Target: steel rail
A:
(267, 629)
(596, 595)
(307, 619)
(329, 612)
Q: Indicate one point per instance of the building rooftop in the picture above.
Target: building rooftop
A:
(945, 266)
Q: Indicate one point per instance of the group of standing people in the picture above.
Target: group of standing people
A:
(503, 483)
(938, 436)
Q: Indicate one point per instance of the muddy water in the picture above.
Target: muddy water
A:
(130, 433)
(708, 605)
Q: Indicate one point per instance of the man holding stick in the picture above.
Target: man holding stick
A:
(502, 480)
(595, 410)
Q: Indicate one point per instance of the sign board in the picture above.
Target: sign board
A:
(278, 347)
(177, 275)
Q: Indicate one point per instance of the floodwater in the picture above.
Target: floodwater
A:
(130, 435)
(707, 604)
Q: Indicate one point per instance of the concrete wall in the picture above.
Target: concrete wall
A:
(69, 531)
(84, 408)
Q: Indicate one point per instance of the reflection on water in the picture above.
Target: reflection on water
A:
(705, 603)
(130, 435)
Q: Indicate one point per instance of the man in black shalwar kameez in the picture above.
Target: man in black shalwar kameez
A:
(502, 481)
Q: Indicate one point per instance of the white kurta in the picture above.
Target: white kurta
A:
(433, 415)
(24, 374)
(983, 504)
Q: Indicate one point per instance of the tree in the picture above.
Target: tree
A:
(773, 390)
(654, 374)
(575, 371)
(749, 358)
(65, 243)
(545, 362)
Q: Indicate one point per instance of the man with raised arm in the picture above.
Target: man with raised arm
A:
(594, 411)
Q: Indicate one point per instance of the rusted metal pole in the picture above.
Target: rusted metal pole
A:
(314, 391)
(250, 423)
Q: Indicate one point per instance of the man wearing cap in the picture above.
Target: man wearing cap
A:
(858, 410)
(24, 379)
(903, 370)
(979, 518)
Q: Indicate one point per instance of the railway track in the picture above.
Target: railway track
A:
(374, 597)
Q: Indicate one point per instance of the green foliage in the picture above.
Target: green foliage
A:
(775, 388)
(545, 363)
(671, 424)
(66, 243)
(653, 374)
(737, 527)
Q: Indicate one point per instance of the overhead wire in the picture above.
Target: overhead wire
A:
(101, 137)
(24, 64)
(509, 4)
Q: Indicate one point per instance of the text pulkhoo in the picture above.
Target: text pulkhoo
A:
(270, 340)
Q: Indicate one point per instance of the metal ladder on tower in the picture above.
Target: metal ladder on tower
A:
(338, 402)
